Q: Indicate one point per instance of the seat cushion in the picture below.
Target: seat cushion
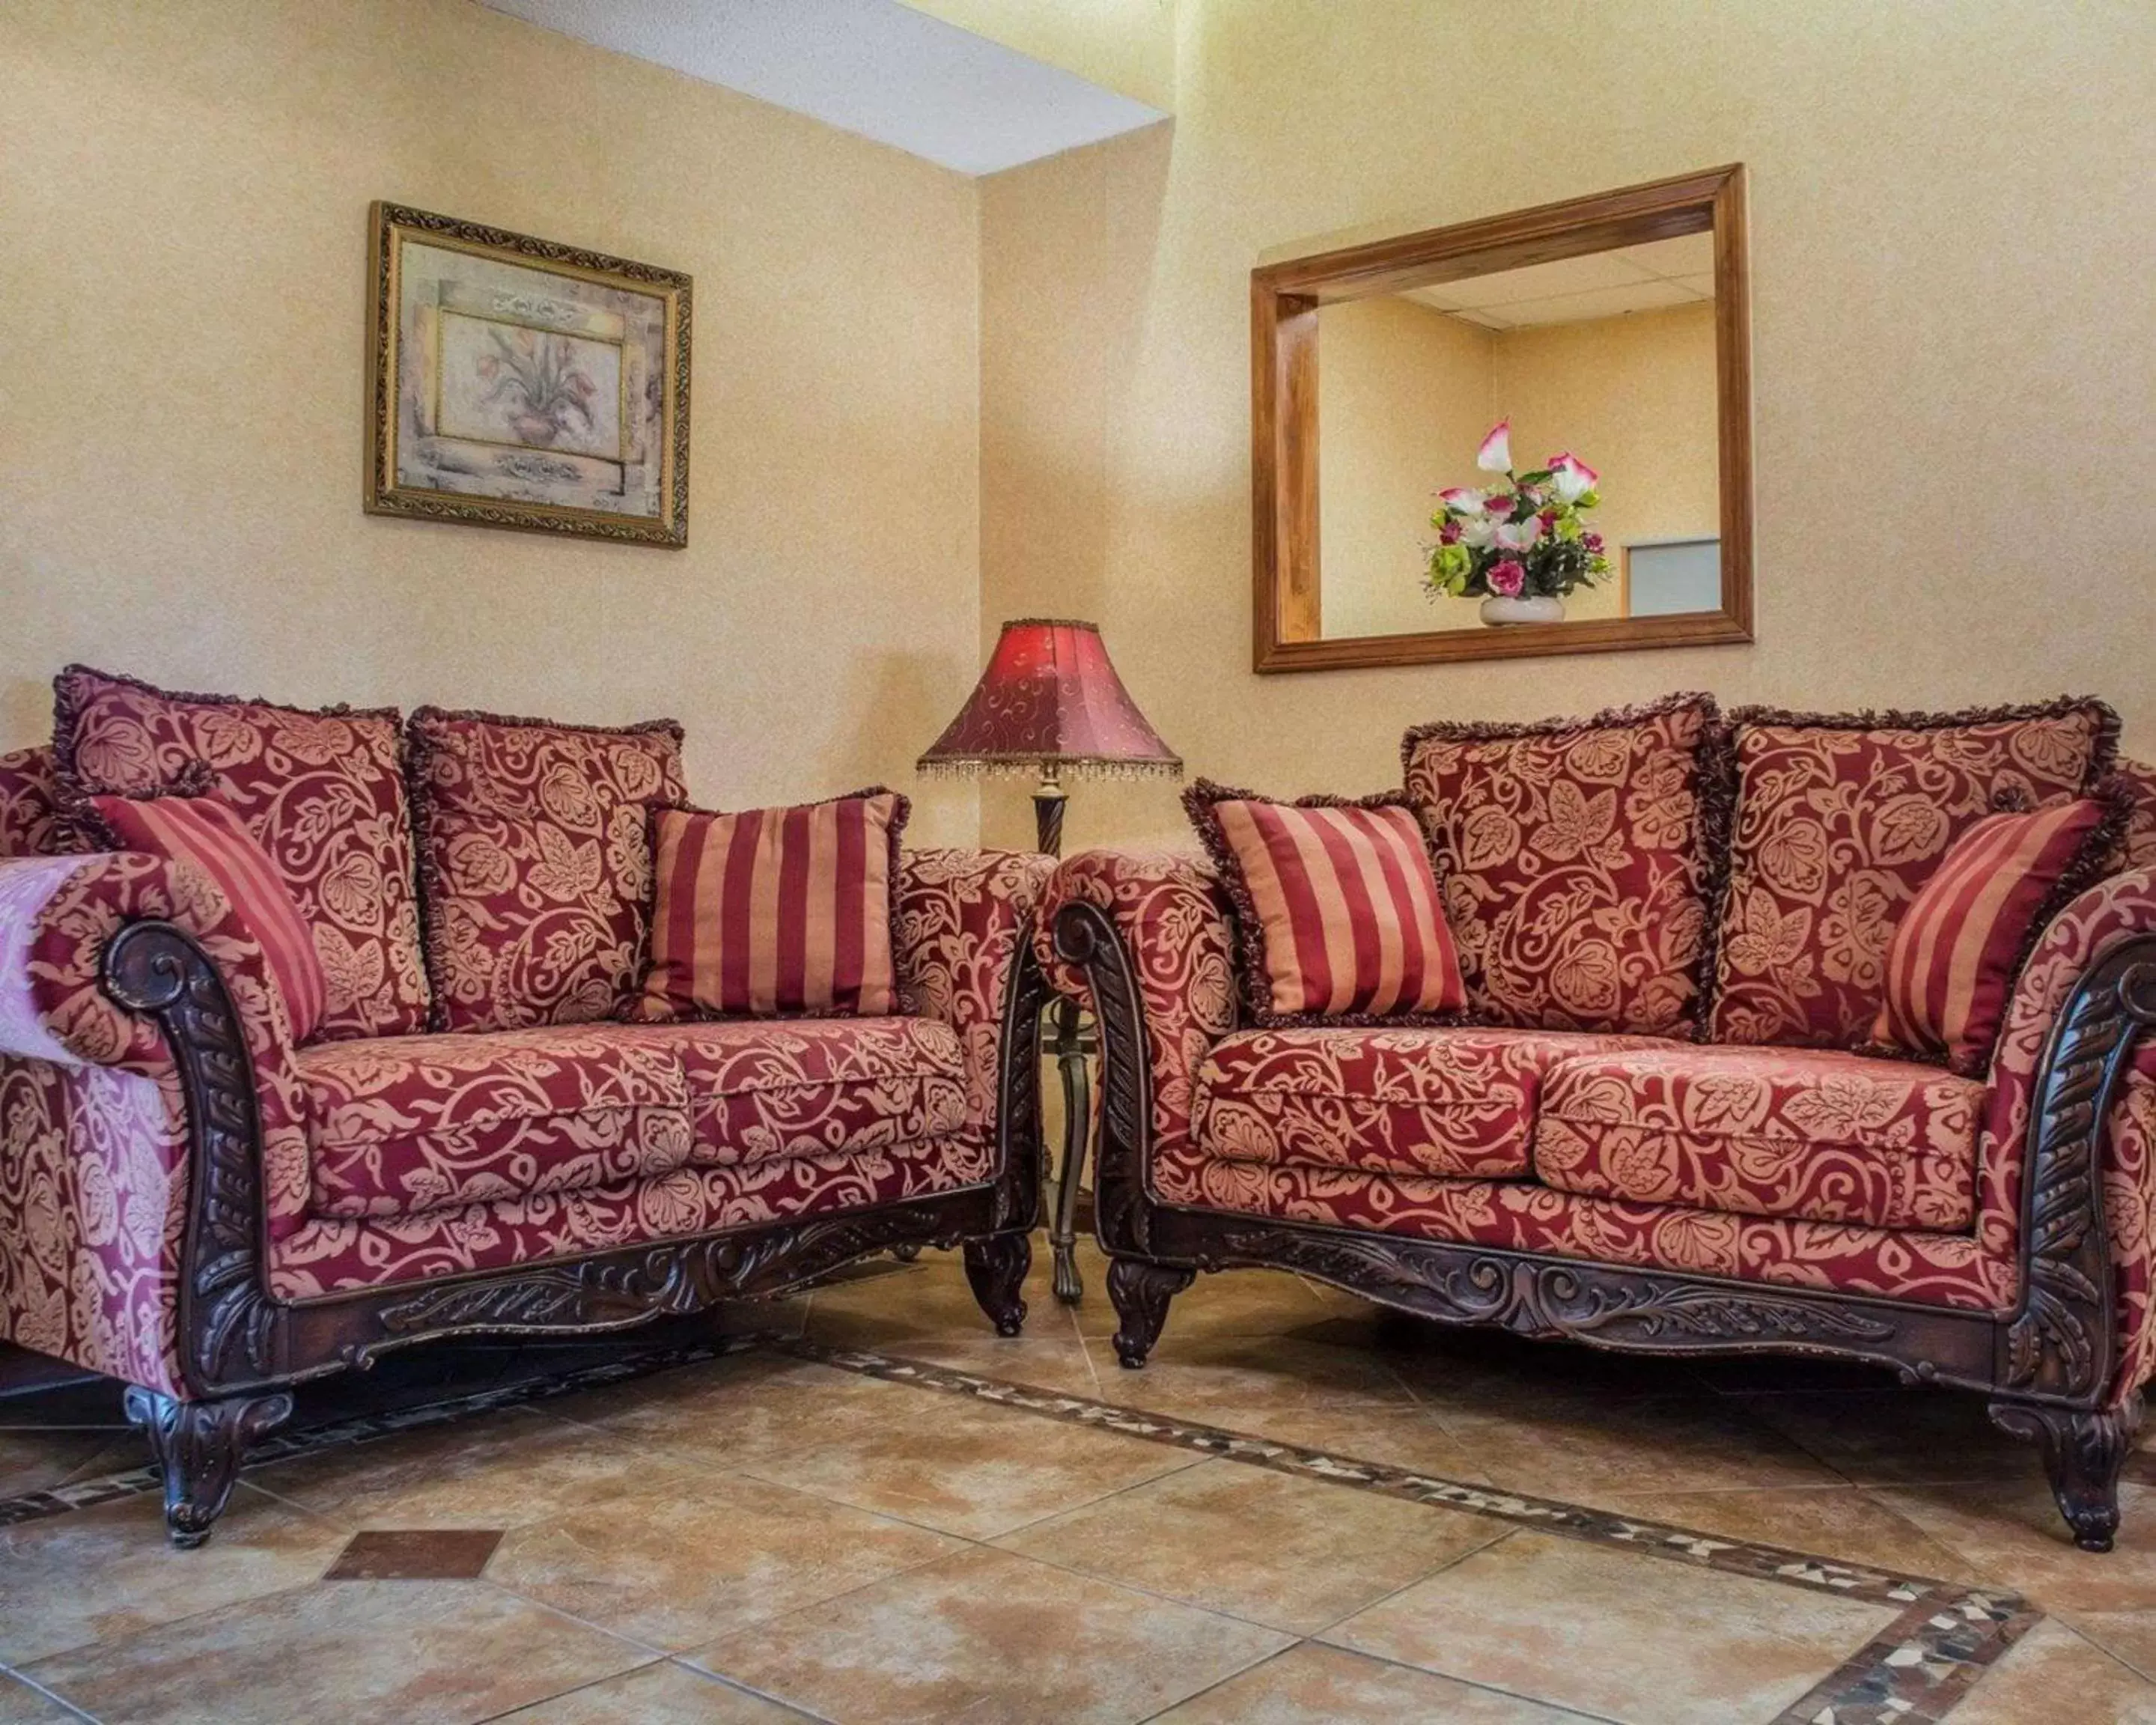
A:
(1459, 1103)
(764, 1092)
(324, 793)
(409, 1124)
(29, 803)
(1813, 1135)
(536, 863)
(1839, 821)
(1576, 857)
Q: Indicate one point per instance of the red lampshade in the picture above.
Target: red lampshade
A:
(1051, 699)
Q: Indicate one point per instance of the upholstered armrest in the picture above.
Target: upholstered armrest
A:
(962, 916)
(1172, 914)
(58, 917)
(2081, 948)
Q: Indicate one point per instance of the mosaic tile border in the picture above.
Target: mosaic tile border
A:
(1918, 1668)
(1912, 1673)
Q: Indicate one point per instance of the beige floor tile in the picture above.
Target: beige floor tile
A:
(22, 1705)
(1237, 1381)
(497, 1470)
(1311, 1685)
(698, 1559)
(2012, 1534)
(1893, 1439)
(734, 1413)
(35, 1461)
(104, 1573)
(929, 1297)
(1290, 1552)
(2052, 1677)
(2127, 1636)
(1588, 1451)
(1642, 1640)
(986, 1636)
(1839, 1522)
(964, 1466)
(662, 1694)
(415, 1651)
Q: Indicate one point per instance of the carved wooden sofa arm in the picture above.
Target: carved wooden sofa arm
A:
(2069, 1181)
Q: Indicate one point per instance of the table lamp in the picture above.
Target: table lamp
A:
(1049, 702)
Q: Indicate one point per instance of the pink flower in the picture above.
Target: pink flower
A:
(1495, 455)
(1592, 541)
(1462, 500)
(1508, 578)
(1547, 518)
(1448, 534)
(1572, 477)
(1500, 504)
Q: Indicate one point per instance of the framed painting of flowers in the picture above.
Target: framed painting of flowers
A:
(518, 382)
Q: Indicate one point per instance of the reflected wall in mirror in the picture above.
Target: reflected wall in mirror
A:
(1610, 330)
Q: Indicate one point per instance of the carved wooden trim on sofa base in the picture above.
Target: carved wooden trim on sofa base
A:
(2048, 1365)
(241, 1350)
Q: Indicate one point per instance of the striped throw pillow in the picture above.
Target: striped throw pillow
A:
(204, 831)
(776, 911)
(1951, 966)
(1338, 906)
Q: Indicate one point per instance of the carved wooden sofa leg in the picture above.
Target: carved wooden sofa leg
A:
(2084, 1450)
(996, 1269)
(199, 1447)
(1140, 1292)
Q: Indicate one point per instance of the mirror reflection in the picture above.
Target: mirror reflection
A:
(1601, 499)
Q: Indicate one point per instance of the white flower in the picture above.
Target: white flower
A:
(1495, 455)
(1573, 478)
(1462, 500)
(1477, 532)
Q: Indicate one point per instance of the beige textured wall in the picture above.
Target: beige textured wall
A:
(183, 191)
(1404, 395)
(1954, 342)
(1633, 398)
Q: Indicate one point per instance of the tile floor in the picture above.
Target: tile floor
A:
(1305, 1509)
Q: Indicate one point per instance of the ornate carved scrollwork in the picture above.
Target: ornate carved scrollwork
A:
(199, 1447)
(1542, 1297)
(995, 1270)
(2084, 1450)
(1085, 937)
(2060, 1344)
(1140, 1292)
(229, 1331)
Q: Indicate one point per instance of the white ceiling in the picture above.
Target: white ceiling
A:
(873, 67)
(1639, 278)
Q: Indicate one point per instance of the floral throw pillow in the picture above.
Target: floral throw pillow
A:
(1839, 820)
(1577, 859)
(535, 856)
(322, 791)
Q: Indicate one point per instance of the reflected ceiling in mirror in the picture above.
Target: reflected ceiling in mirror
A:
(1610, 330)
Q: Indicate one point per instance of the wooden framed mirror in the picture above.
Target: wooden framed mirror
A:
(1615, 327)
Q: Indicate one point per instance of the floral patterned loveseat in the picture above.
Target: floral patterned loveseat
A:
(1657, 1130)
(193, 1203)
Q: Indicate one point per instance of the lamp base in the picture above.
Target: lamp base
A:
(1048, 803)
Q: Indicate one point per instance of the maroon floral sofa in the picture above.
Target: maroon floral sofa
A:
(1655, 1130)
(194, 1205)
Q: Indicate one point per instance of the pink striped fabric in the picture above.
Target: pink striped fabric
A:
(775, 911)
(203, 831)
(1950, 967)
(1345, 905)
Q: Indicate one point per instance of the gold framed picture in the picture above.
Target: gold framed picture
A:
(516, 382)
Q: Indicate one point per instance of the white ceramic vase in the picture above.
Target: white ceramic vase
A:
(1498, 611)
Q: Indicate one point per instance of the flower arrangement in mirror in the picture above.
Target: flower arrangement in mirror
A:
(1521, 546)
